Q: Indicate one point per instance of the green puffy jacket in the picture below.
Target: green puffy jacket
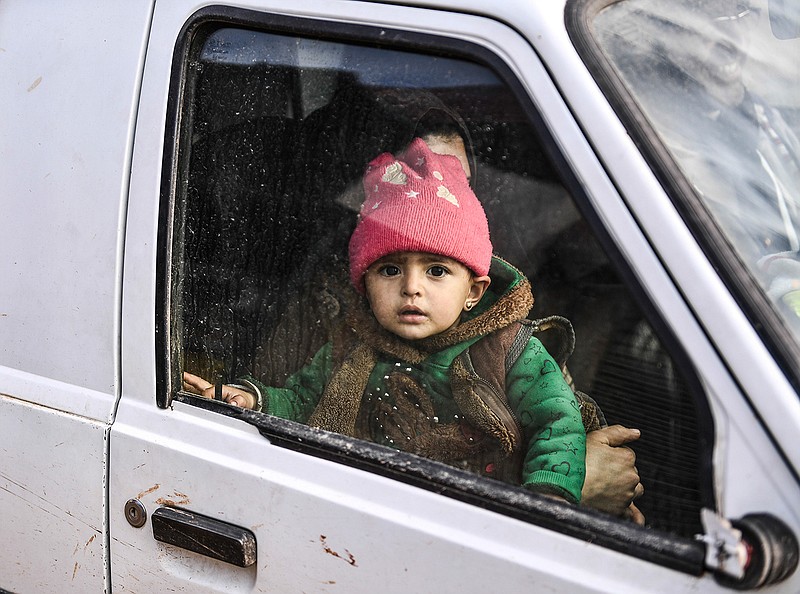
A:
(521, 425)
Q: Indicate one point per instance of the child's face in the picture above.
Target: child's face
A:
(416, 295)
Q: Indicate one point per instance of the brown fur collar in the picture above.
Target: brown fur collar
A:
(339, 405)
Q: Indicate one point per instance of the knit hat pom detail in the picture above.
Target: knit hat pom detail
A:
(419, 201)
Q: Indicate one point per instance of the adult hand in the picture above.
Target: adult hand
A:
(197, 385)
(612, 481)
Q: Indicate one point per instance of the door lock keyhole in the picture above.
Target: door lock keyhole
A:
(135, 513)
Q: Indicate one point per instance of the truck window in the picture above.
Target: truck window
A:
(275, 130)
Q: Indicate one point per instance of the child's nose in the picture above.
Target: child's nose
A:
(412, 283)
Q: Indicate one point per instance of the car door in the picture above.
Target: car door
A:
(250, 125)
(68, 95)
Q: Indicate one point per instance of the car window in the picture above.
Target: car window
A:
(719, 83)
(276, 129)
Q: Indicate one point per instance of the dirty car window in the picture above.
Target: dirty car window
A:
(719, 81)
(279, 129)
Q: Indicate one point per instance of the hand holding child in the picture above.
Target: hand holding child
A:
(612, 481)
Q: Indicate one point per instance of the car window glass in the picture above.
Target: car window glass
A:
(276, 133)
(720, 84)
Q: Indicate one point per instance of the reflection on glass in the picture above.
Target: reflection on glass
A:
(724, 95)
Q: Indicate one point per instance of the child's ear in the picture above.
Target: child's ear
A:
(476, 291)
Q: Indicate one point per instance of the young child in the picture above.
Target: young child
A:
(423, 366)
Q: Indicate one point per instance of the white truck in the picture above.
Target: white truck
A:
(176, 178)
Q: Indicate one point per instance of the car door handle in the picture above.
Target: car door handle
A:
(205, 536)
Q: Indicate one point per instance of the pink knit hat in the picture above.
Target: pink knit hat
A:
(419, 202)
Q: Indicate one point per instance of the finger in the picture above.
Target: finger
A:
(616, 435)
(193, 379)
(638, 491)
(195, 383)
(634, 515)
(192, 387)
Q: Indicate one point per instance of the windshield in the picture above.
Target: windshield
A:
(719, 80)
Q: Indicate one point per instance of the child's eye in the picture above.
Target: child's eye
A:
(389, 270)
(437, 271)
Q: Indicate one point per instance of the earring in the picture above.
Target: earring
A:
(469, 305)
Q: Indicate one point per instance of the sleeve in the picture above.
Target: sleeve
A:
(297, 400)
(553, 434)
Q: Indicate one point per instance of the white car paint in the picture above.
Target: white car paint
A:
(86, 91)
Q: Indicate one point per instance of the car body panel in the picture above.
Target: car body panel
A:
(80, 431)
(64, 190)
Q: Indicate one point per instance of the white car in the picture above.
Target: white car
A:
(177, 181)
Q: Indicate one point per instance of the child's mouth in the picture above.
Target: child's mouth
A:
(412, 314)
